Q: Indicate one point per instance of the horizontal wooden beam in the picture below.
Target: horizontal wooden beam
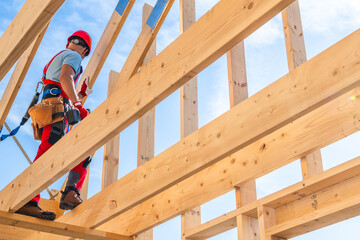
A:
(106, 43)
(280, 103)
(17, 220)
(334, 198)
(18, 76)
(196, 48)
(334, 121)
(22, 31)
(299, 196)
(14, 233)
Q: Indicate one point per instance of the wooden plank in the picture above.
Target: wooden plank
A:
(13, 233)
(111, 148)
(294, 37)
(283, 199)
(22, 31)
(18, 76)
(106, 121)
(51, 205)
(334, 121)
(105, 44)
(266, 219)
(296, 55)
(248, 227)
(188, 110)
(142, 45)
(17, 220)
(323, 208)
(146, 132)
(238, 92)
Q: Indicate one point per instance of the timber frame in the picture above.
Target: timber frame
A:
(291, 119)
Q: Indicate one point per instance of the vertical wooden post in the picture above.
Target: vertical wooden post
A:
(267, 218)
(189, 110)
(112, 148)
(146, 139)
(248, 227)
(238, 92)
(296, 54)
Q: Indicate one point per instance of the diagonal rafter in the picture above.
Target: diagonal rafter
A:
(18, 76)
(22, 31)
(106, 42)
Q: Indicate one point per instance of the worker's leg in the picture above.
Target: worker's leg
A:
(71, 195)
(47, 140)
(78, 174)
(44, 146)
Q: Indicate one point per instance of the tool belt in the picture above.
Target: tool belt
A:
(48, 111)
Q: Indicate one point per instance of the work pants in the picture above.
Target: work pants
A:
(77, 175)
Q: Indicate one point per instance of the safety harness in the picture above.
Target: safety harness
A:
(50, 89)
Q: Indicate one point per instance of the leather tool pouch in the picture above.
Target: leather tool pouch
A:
(47, 112)
(37, 131)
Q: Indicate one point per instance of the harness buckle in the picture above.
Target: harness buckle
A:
(37, 87)
(51, 91)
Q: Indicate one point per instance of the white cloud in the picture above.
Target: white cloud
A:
(268, 34)
(327, 16)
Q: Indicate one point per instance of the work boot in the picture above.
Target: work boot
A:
(32, 209)
(70, 198)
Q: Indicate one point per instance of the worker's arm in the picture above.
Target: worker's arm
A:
(67, 82)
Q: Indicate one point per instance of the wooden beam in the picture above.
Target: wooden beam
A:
(14, 233)
(296, 55)
(334, 121)
(22, 31)
(106, 42)
(13, 219)
(18, 76)
(331, 213)
(331, 200)
(51, 205)
(238, 92)
(146, 133)
(248, 227)
(261, 119)
(296, 201)
(111, 148)
(188, 110)
(266, 218)
(144, 41)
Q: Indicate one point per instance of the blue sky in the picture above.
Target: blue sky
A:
(324, 22)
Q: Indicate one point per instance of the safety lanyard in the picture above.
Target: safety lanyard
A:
(26, 115)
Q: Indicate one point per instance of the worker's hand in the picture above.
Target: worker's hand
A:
(85, 90)
(82, 110)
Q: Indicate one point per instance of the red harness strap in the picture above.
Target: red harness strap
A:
(48, 81)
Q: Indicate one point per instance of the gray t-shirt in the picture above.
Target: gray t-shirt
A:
(68, 57)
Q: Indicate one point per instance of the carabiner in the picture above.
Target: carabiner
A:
(37, 87)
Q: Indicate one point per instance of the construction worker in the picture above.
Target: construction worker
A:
(60, 76)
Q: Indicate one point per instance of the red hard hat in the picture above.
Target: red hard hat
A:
(84, 36)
